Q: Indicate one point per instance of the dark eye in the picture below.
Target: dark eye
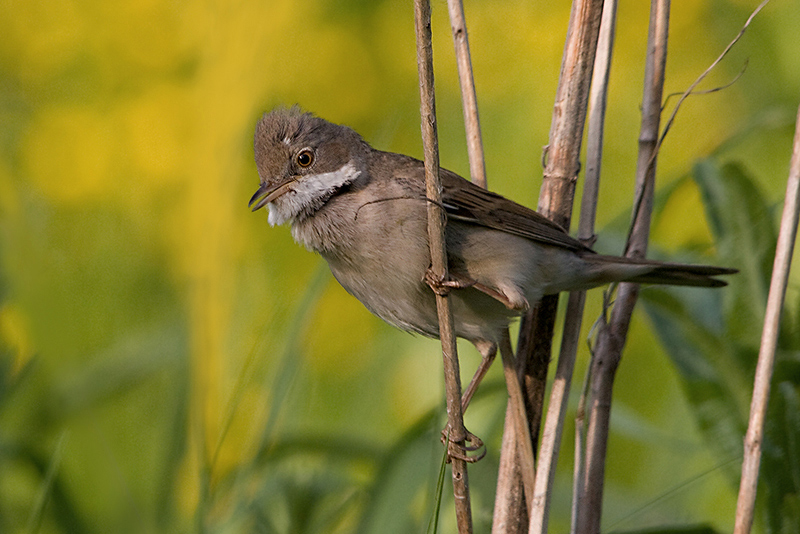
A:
(305, 157)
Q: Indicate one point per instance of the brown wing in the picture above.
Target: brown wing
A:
(465, 201)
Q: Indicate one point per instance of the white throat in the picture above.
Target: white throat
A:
(309, 193)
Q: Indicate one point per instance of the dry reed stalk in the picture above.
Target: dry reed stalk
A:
(611, 338)
(436, 236)
(745, 506)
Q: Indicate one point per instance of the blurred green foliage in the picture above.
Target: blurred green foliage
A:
(169, 363)
(714, 343)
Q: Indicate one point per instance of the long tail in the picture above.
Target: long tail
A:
(676, 274)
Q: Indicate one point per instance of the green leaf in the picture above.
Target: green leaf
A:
(716, 361)
(433, 523)
(742, 224)
(702, 358)
(406, 471)
(780, 472)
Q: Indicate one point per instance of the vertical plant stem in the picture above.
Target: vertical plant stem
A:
(436, 237)
(598, 98)
(556, 411)
(569, 112)
(559, 395)
(510, 514)
(558, 187)
(611, 338)
(563, 154)
(469, 98)
(579, 465)
(517, 403)
(556, 196)
(534, 347)
(769, 340)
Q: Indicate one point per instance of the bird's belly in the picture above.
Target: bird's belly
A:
(402, 298)
(399, 296)
(388, 275)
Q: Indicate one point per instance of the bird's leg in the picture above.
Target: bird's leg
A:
(488, 350)
(473, 444)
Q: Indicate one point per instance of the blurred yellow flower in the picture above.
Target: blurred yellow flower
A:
(15, 335)
(157, 134)
(68, 153)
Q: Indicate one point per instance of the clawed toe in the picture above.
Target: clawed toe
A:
(441, 285)
(472, 444)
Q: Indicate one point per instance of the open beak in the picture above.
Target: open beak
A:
(269, 192)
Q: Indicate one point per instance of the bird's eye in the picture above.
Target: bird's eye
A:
(305, 157)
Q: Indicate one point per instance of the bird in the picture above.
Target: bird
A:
(365, 212)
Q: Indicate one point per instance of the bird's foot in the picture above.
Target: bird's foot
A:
(470, 450)
(511, 298)
(442, 286)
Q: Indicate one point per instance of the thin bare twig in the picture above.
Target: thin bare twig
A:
(690, 90)
(611, 338)
(769, 340)
(469, 98)
(436, 237)
(709, 91)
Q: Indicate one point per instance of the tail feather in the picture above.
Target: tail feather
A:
(676, 274)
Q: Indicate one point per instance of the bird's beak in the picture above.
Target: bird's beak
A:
(269, 191)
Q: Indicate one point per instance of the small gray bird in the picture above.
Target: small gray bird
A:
(364, 211)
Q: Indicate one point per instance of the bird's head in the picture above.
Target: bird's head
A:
(302, 161)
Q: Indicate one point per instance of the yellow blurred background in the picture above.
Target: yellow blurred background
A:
(164, 350)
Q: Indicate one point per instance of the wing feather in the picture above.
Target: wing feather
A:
(467, 202)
